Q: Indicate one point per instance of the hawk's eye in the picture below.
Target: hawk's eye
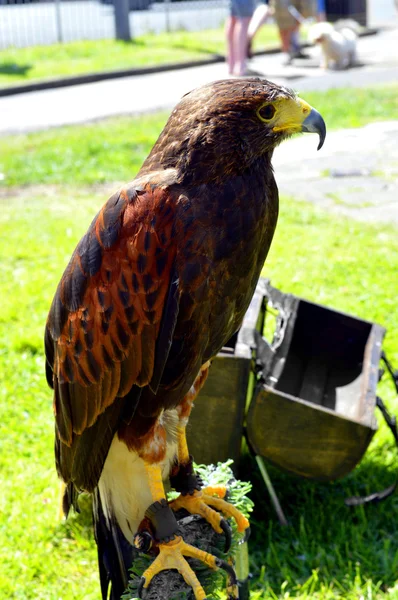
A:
(266, 112)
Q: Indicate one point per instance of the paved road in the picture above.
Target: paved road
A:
(355, 173)
(161, 91)
(378, 63)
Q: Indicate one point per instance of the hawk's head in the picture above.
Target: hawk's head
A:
(224, 127)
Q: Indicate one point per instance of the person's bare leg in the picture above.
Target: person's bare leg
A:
(230, 26)
(258, 19)
(285, 38)
(285, 35)
(240, 45)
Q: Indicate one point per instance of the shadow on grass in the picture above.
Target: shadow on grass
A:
(341, 543)
(10, 68)
(132, 42)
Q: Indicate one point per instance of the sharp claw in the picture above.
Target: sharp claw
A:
(246, 536)
(222, 564)
(141, 591)
(228, 534)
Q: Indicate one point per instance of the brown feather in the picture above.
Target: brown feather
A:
(164, 274)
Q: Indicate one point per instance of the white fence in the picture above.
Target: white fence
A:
(42, 22)
(24, 23)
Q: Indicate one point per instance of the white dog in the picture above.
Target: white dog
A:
(338, 43)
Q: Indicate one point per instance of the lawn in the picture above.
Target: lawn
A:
(328, 551)
(21, 65)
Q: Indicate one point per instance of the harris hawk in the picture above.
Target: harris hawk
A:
(154, 289)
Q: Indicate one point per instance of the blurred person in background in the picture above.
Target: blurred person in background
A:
(236, 29)
(289, 15)
(321, 16)
(258, 19)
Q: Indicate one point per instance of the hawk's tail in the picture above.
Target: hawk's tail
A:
(115, 554)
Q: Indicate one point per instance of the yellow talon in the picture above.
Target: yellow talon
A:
(229, 510)
(215, 490)
(203, 504)
(197, 505)
(171, 556)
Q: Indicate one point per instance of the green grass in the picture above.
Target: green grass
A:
(19, 65)
(85, 154)
(333, 261)
(355, 107)
(328, 551)
(114, 149)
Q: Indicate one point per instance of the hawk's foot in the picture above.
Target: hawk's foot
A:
(172, 556)
(204, 502)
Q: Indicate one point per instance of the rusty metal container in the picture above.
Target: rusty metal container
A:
(311, 411)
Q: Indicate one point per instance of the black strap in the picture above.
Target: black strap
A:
(163, 520)
(392, 424)
(391, 420)
(394, 374)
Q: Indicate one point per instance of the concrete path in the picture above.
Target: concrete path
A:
(161, 91)
(354, 174)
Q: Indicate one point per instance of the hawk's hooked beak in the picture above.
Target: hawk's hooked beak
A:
(315, 124)
(296, 115)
